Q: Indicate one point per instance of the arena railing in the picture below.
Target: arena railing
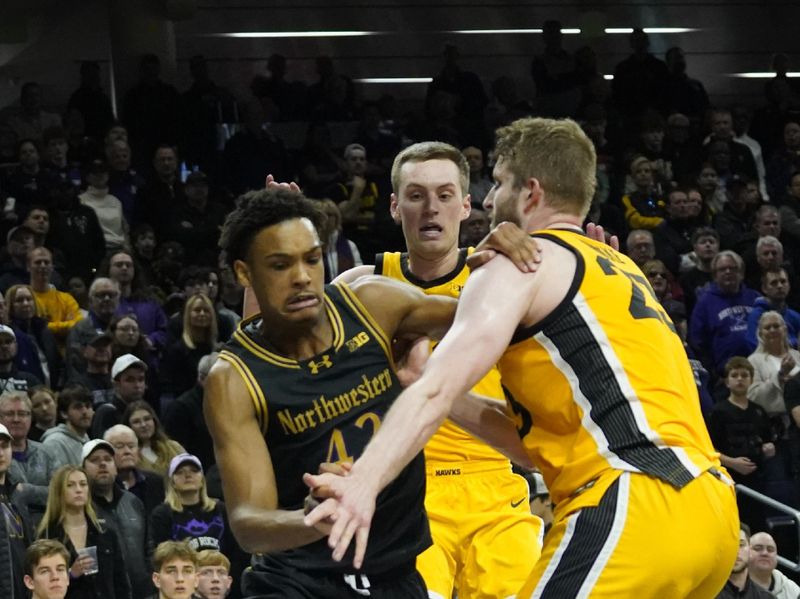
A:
(781, 507)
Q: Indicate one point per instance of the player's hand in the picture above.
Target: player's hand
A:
(743, 465)
(351, 511)
(511, 241)
(410, 356)
(787, 365)
(768, 449)
(316, 496)
(271, 183)
(597, 233)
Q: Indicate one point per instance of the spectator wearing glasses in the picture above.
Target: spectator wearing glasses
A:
(16, 415)
(104, 295)
(718, 325)
(156, 449)
(660, 280)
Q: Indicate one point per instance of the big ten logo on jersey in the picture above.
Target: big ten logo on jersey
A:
(323, 362)
(357, 341)
(455, 289)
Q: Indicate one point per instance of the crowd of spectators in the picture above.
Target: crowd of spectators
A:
(113, 299)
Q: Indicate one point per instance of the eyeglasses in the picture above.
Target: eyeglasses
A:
(663, 275)
(21, 414)
(130, 329)
(105, 295)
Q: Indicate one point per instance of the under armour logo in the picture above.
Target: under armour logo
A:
(315, 366)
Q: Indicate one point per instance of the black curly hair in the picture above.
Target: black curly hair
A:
(257, 210)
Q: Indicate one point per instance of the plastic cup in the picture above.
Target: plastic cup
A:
(90, 552)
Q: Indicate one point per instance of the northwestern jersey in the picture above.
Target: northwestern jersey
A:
(450, 443)
(603, 383)
(326, 409)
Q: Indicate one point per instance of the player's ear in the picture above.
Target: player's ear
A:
(242, 272)
(534, 196)
(393, 209)
(466, 207)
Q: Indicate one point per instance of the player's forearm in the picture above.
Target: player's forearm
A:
(412, 420)
(269, 531)
(487, 419)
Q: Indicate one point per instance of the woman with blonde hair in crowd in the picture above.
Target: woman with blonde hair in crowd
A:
(199, 337)
(96, 565)
(774, 362)
(156, 449)
(23, 313)
(189, 514)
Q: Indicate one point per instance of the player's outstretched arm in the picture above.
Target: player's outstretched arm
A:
(248, 478)
(493, 303)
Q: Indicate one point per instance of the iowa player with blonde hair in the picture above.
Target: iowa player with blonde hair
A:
(484, 536)
(603, 397)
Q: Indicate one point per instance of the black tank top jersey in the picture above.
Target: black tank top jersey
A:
(326, 409)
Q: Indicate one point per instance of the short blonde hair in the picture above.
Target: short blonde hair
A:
(431, 150)
(210, 557)
(557, 153)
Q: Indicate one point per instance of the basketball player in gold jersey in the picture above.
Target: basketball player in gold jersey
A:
(603, 397)
(484, 536)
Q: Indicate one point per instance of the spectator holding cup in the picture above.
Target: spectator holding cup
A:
(95, 557)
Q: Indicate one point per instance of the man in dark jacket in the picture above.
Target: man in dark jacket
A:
(11, 378)
(739, 585)
(15, 530)
(121, 510)
(183, 418)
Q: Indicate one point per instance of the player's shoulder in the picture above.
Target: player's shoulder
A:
(353, 274)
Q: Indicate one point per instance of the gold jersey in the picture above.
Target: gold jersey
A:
(603, 384)
(451, 443)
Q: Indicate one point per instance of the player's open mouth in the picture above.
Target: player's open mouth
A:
(430, 231)
(302, 301)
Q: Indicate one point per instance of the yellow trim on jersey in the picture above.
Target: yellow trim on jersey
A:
(336, 323)
(258, 350)
(366, 318)
(256, 394)
(261, 352)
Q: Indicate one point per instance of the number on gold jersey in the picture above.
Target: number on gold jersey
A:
(337, 447)
(638, 307)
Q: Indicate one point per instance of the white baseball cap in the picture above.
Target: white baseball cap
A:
(91, 446)
(124, 362)
(4, 432)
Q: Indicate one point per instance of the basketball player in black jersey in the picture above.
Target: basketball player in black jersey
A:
(306, 381)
